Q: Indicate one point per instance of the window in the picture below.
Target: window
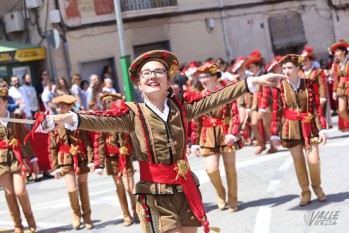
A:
(133, 5)
(287, 34)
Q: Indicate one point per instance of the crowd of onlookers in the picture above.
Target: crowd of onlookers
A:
(27, 99)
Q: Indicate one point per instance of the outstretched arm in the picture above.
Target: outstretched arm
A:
(198, 107)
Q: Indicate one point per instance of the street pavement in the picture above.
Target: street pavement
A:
(267, 188)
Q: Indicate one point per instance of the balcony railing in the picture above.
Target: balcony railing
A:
(135, 5)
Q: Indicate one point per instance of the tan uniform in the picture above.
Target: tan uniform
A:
(211, 128)
(59, 145)
(8, 161)
(15, 157)
(341, 78)
(303, 101)
(106, 145)
(160, 142)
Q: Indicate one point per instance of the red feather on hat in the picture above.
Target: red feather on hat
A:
(256, 53)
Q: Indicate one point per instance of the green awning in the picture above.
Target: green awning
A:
(19, 52)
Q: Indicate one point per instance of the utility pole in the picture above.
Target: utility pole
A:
(124, 59)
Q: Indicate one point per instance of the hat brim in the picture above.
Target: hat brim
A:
(252, 60)
(165, 57)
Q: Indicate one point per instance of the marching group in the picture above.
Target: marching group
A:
(210, 109)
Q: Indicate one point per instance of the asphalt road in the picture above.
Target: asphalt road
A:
(267, 188)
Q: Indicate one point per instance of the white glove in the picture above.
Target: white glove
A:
(46, 125)
(230, 139)
(99, 171)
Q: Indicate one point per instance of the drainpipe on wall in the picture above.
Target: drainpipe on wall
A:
(228, 50)
(125, 60)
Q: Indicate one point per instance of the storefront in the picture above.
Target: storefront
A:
(16, 59)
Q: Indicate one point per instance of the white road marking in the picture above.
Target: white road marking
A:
(263, 218)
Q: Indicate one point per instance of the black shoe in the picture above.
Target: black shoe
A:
(47, 175)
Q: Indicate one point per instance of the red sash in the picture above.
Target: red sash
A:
(122, 153)
(74, 151)
(305, 117)
(178, 173)
(14, 145)
(345, 80)
(212, 122)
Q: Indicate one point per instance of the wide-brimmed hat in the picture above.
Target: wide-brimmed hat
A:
(272, 65)
(254, 57)
(168, 59)
(238, 63)
(67, 99)
(294, 58)
(208, 68)
(308, 52)
(340, 43)
(108, 95)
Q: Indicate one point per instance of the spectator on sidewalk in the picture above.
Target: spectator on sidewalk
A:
(17, 95)
(47, 96)
(108, 86)
(30, 92)
(94, 81)
(76, 91)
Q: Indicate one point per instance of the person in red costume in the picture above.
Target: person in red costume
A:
(341, 81)
(217, 136)
(168, 197)
(296, 122)
(16, 161)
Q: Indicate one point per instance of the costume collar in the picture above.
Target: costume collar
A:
(162, 115)
(295, 87)
(307, 72)
(343, 63)
(4, 123)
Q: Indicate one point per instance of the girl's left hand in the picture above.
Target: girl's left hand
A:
(229, 139)
(92, 167)
(36, 170)
(322, 139)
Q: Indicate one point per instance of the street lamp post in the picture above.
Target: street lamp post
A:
(124, 59)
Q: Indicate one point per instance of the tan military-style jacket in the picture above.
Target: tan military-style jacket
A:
(14, 130)
(341, 78)
(303, 100)
(317, 75)
(67, 137)
(153, 139)
(211, 135)
(115, 139)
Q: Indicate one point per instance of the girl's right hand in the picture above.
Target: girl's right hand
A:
(56, 173)
(196, 151)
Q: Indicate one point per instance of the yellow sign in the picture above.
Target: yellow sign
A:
(5, 57)
(23, 55)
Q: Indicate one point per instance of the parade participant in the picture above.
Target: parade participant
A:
(341, 78)
(297, 123)
(71, 157)
(169, 200)
(258, 112)
(114, 152)
(16, 160)
(317, 78)
(244, 102)
(217, 133)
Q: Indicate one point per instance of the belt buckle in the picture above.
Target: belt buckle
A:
(74, 150)
(182, 168)
(123, 150)
(213, 121)
(13, 142)
(308, 118)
